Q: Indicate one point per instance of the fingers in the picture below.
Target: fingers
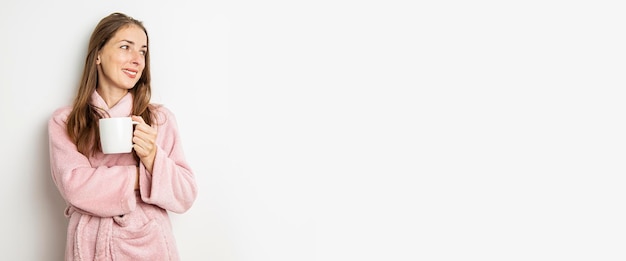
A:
(144, 147)
(144, 138)
(137, 119)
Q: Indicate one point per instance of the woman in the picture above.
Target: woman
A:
(118, 204)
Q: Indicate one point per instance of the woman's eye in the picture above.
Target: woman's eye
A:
(124, 47)
(142, 52)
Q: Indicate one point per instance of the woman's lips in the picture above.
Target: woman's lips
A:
(130, 73)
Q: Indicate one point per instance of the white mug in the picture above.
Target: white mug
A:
(116, 135)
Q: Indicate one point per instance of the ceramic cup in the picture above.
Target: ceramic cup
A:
(116, 135)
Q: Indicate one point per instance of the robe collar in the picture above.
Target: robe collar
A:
(121, 109)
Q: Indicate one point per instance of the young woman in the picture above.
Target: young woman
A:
(118, 204)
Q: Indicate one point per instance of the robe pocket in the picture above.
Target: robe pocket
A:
(143, 243)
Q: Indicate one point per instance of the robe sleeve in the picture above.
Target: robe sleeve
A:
(171, 185)
(101, 191)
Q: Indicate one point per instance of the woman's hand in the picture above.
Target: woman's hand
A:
(144, 138)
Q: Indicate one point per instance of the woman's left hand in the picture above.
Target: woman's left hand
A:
(144, 142)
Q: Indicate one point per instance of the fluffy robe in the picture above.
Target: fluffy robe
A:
(108, 219)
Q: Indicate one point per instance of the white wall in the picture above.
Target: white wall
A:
(349, 130)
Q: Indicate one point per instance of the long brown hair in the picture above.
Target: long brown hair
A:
(82, 123)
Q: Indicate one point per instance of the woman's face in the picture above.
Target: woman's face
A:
(122, 59)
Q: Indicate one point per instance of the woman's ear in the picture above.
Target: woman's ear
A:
(98, 60)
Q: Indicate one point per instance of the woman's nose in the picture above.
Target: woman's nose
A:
(137, 58)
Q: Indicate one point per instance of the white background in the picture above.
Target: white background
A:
(349, 130)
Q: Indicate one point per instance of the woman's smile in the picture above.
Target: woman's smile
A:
(132, 73)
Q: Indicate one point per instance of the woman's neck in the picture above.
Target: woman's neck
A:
(111, 96)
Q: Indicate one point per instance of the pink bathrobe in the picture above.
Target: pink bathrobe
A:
(108, 219)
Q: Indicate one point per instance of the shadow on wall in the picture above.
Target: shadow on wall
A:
(55, 224)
